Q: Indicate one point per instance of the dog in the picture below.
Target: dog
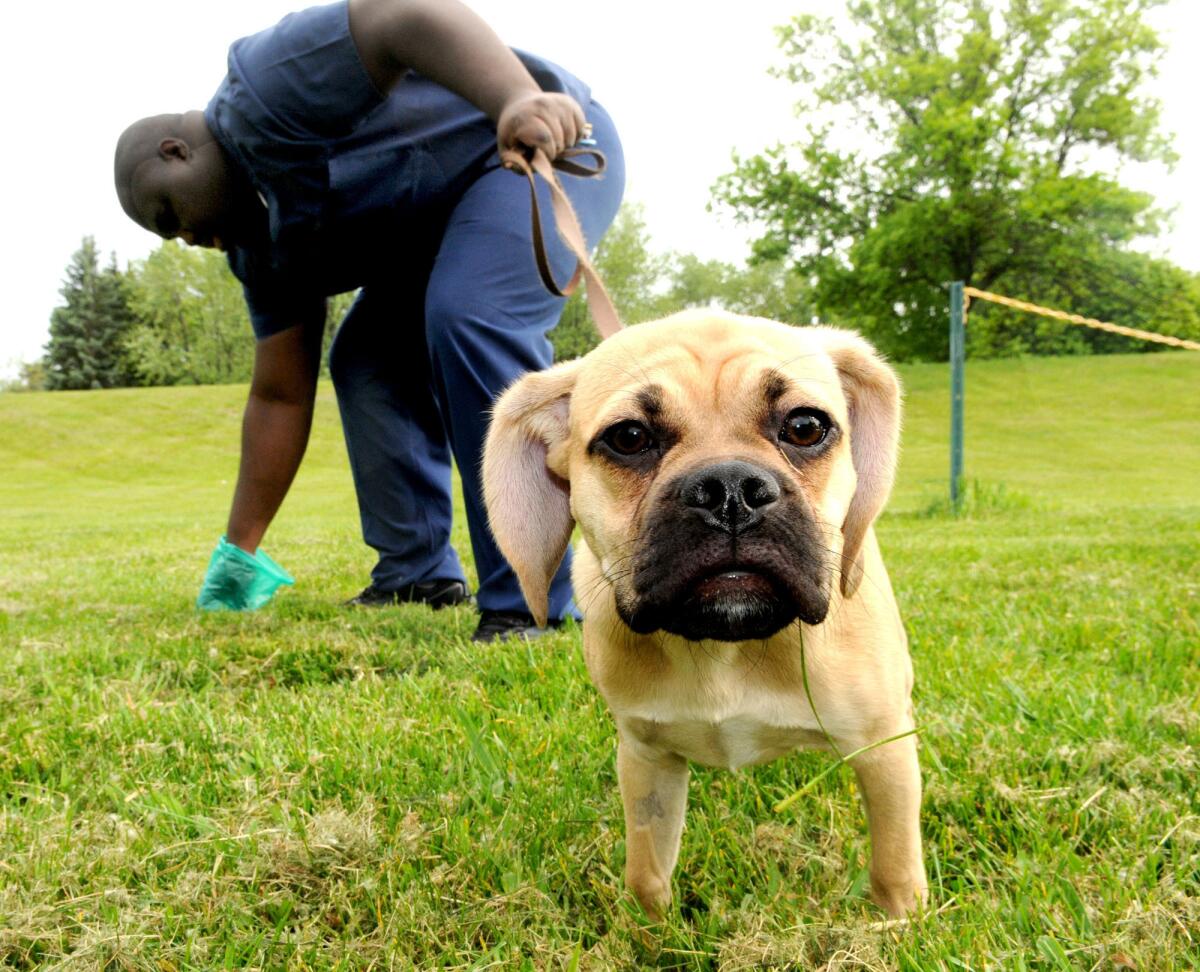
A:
(724, 473)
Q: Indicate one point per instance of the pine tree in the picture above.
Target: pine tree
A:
(87, 332)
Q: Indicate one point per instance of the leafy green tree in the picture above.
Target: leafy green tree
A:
(764, 289)
(645, 285)
(632, 274)
(87, 331)
(957, 140)
(193, 327)
(31, 376)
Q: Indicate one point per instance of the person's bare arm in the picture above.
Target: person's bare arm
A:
(275, 426)
(451, 45)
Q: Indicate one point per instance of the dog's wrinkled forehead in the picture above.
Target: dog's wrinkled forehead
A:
(704, 365)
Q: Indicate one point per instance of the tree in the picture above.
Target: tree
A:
(645, 285)
(193, 326)
(87, 331)
(765, 289)
(31, 376)
(957, 140)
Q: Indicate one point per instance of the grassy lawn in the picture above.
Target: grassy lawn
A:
(310, 787)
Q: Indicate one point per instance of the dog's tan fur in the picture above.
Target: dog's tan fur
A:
(720, 703)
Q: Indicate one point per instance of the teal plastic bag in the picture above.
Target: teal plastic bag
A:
(238, 581)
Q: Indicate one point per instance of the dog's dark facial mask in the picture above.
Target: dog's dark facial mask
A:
(730, 551)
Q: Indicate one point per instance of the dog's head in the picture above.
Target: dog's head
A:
(723, 470)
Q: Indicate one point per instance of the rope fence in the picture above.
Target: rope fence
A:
(960, 300)
(1025, 305)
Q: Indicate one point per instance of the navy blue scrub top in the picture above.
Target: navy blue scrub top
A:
(349, 177)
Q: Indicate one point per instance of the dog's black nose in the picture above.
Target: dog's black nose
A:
(731, 496)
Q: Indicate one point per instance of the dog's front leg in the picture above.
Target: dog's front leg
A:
(654, 792)
(890, 780)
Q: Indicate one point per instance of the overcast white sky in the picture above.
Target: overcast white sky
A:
(686, 83)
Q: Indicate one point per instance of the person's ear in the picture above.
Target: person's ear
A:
(174, 148)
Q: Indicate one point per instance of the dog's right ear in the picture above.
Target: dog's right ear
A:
(524, 478)
(872, 393)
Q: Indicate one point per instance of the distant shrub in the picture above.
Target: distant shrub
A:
(977, 500)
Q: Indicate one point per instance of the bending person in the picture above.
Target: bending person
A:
(355, 145)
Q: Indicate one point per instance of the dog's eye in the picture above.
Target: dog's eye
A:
(629, 438)
(804, 427)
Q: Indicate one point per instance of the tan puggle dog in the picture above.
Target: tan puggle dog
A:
(725, 473)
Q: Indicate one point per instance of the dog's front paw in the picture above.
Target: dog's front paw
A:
(653, 894)
(899, 897)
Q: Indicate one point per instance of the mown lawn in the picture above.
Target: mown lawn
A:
(311, 787)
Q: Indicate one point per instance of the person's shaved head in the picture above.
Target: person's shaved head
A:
(174, 179)
(138, 144)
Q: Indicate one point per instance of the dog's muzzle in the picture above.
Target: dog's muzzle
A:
(729, 553)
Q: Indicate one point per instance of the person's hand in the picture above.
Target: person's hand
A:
(542, 119)
(239, 581)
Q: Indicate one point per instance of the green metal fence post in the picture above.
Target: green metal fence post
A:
(957, 356)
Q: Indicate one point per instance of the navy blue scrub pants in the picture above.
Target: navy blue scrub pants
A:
(422, 355)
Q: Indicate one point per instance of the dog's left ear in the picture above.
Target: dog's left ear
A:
(872, 393)
(524, 479)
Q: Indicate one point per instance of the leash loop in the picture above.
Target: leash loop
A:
(529, 162)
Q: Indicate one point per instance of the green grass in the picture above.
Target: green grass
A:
(310, 787)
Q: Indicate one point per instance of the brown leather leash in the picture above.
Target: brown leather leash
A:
(527, 163)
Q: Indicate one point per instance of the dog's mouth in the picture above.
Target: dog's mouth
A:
(732, 601)
(733, 584)
(740, 604)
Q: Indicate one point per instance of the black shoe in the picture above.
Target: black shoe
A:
(496, 625)
(435, 593)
